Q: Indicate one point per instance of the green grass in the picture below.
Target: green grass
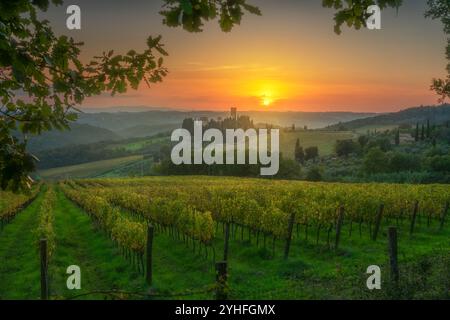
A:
(79, 243)
(86, 170)
(19, 256)
(324, 140)
(316, 272)
(313, 271)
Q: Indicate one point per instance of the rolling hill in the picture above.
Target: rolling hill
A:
(78, 134)
(140, 124)
(436, 115)
(91, 128)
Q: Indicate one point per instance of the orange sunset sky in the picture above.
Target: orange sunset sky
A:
(288, 59)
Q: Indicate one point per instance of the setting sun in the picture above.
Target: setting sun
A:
(266, 101)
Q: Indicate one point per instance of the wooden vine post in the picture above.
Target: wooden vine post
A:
(393, 251)
(149, 270)
(289, 235)
(340, 220)
(413, 220)
(221, 281)
(378, 222)
(44, 268)
(227, 242)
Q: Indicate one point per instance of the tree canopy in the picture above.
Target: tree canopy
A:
(43, 79)
(191, 14)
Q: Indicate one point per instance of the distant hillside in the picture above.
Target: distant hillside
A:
(436, 115)
(79, 134)
(120, 122)
(138, 124)
(121, 109)
(141, 131)
(106, 126)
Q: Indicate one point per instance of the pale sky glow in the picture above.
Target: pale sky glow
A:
(288, 59)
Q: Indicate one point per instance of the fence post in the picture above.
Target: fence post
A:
(44, 268)
(227, 241)
(444, 213)
(393, 262)
(289, 235)
(378, 222)
(339, 227)
(413, 221)
(221, 281)
(149, 274)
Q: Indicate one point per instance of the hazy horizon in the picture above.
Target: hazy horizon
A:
(175, 109)
(139, 108)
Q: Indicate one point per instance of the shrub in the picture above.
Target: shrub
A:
(344, 148)
(314, 174)
(399, 162)
(375, 161)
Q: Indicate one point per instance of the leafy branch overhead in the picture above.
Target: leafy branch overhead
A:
(192, 14)
(353, 13)
(43, 80)
(440, 9)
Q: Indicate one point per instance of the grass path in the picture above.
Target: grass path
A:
(102, 266)
(312, 271)
(78, 243)
(19, 256)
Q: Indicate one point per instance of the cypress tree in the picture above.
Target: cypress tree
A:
(397, 137)
(416, 137)
(299, 153)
